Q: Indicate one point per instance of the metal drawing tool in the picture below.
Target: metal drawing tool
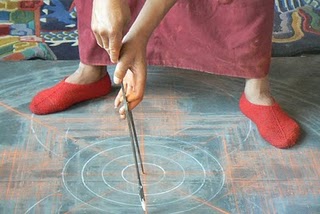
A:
(135, 147)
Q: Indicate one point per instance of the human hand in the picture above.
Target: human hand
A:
(131, 69)
(108, 23)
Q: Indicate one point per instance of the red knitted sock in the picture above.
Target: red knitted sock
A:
(274, 125)
(63, 95)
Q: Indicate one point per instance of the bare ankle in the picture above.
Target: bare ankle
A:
(257, 91)
(86, 74)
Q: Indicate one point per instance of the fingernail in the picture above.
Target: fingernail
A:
(116, 80)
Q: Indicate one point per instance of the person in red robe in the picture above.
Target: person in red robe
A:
(225, 37)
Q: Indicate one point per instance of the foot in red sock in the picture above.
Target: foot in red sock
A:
(274, 125)
(64, 95)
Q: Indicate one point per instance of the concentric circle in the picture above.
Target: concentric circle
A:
(178, 176)
(156, 173)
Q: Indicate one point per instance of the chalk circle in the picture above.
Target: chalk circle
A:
(156, 173)
(179, 176)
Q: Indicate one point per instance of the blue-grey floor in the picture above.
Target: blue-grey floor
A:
(200, 153)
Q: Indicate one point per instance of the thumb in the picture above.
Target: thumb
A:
(120, 71)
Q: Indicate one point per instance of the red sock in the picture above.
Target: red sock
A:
(274, 125)
(64, 95)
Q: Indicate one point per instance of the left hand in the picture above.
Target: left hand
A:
(131, 69)
(108, 23)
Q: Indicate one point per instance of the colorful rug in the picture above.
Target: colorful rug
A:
(38, 29)
(296, 27)
(46, 29)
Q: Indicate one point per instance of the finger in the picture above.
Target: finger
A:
(134, 104)
(133, 100)
(97, 37)
(129, 89)
(120, 71)
(99, 40)
(131, 105)
(118, 100)
(102, 42)
(115, 41)
(96, 30)
(122, 112)
(136, 90)
(105, 45)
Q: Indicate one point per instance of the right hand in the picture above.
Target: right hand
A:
(109, 21)
(131, 69)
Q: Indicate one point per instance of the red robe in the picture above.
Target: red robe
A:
(226, 37)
